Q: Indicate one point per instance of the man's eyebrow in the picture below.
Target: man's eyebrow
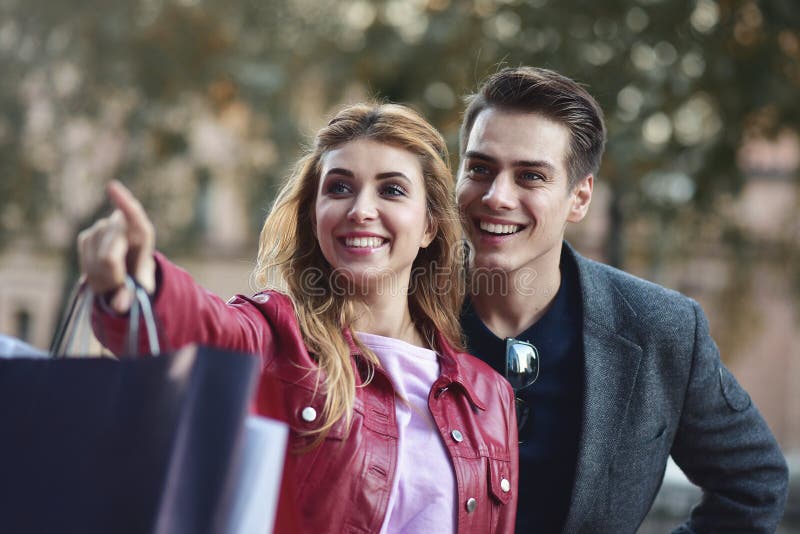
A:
(473, 154)
(535, 163)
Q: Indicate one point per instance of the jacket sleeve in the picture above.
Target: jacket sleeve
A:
(187, 313)
(725, 447)
(507, 522)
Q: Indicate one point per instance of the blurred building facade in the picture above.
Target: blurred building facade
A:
(751, 299)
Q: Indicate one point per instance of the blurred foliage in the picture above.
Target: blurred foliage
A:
(172, 95)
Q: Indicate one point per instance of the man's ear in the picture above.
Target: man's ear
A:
(580, 198)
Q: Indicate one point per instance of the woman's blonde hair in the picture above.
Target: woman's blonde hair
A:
(290, 259)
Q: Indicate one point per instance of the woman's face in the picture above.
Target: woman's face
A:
(371, 215)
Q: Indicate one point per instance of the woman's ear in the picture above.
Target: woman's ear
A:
(430, 232)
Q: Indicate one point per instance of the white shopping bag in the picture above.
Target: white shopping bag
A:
(257, 478)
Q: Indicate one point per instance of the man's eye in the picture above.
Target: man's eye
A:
(478, 171)
(531, 176)
(338, 187)
(394, 190)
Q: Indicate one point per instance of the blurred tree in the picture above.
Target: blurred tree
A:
(168, 93)
(681, 81)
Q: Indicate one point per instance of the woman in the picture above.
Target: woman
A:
(392, 427)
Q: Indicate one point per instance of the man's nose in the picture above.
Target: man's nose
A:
(501, 194)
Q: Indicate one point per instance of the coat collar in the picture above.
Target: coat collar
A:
(612, 355)
(455, 372)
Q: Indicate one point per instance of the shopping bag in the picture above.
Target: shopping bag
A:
(257, 478)
(139, 445)
(97, 445)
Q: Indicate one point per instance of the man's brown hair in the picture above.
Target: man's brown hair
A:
(552, 95)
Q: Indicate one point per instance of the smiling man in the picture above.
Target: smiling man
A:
(614, 374)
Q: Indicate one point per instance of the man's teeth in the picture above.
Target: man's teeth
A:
(363, 242)
(499, 228)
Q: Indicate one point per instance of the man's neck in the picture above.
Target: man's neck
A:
(521, 301)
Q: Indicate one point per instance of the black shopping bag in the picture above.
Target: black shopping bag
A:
(136, 445)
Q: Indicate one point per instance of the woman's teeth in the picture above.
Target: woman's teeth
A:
(363, 242)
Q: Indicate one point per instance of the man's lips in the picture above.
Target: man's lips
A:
(497, 227)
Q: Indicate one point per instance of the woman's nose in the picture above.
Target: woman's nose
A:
(363, 208)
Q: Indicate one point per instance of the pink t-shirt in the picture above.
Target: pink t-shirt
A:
(424, 491)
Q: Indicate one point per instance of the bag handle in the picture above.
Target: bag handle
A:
(79, 307)
(141, 304)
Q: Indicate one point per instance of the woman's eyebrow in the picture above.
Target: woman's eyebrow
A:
(340, 170)
(380, 176)
(392, 174)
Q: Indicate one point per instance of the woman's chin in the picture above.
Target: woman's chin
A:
(366, 282)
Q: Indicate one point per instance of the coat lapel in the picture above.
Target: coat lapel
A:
(611, 363)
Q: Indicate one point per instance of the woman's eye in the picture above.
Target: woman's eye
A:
(338, 187)
(394, 190)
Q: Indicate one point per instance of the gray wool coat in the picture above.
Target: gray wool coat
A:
(654, 387)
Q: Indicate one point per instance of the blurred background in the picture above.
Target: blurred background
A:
(201, 106)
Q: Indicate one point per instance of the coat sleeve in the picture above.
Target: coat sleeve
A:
(507, 522)
(187, 313)
(725, 447)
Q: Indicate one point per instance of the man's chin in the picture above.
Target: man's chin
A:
(490, 266)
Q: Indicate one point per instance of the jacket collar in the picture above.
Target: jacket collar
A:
(612, 354)
(452, 370)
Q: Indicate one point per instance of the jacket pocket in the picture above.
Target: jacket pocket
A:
(501, 495)
(642, 452)
(499, 476)
(326, 479)
(312, 450)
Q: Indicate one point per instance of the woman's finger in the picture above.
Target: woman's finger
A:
(102, 249)
(140, 229)
(140, 235)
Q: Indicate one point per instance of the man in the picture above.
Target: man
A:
(629, 373)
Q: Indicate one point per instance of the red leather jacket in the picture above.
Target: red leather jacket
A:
(343, 484)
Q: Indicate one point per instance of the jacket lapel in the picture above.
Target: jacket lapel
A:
(611, 363)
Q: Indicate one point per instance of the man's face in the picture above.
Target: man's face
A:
(513, 189)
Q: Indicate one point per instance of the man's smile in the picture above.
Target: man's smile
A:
(497, 227)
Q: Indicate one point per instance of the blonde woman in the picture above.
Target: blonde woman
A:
(393, 427)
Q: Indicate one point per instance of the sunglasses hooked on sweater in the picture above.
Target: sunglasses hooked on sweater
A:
(522, 370)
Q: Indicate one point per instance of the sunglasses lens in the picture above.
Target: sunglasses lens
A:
(522, 363)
